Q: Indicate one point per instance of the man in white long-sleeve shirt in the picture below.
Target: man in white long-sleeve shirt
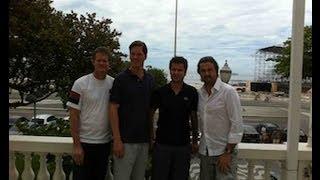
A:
(220, 124)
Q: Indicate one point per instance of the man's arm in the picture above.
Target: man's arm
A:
(74, 119)
(233, 106)
(194, 127)
(154, 105)
(78, 153)
(152, 130)
(118, 148)
(236, 129)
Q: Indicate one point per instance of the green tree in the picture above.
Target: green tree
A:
(48, 50)
(160, 77)
(282, 65)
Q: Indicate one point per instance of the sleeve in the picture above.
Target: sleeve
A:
(115, 91)
(195, 99)
(233, 106)
(75, 96)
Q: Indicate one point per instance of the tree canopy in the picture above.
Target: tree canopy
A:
(282, 65)
(48, 49)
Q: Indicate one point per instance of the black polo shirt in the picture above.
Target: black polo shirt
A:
(174, 114)
(133, 96)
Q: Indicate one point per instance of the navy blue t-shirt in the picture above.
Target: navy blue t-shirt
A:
(174, 114)
(133, 96)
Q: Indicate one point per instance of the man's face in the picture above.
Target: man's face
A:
(101, 63)
(137, 56)
(177, 72)
(208, 73)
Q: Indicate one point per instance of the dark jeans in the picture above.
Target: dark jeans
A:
(95, 162)
(171, 162)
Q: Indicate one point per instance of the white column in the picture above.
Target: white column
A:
(283, 170)
(310, 124)
(27, 172)
(250, 169)
(295, 88)
(71, 176)
(13, 173)
(59, 173)
(109, 175)
(43, 173)
(267, 169)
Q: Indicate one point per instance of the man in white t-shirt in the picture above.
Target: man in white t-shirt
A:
(90, 129)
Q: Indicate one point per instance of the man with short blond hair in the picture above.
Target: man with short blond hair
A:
(90, 127)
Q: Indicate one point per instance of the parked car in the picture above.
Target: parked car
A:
(14, 119)
(303, 137)
(269, 127)
(43, 119)
(250, 134)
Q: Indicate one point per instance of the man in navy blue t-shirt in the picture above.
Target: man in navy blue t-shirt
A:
(177, 103)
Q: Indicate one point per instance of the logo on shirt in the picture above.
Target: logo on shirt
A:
(185, 98)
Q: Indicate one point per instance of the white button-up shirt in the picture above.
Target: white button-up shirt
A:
(220, 118)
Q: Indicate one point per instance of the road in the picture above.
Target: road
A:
(254, 111)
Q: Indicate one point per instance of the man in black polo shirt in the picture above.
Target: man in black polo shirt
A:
(177, 103)
(129, 116)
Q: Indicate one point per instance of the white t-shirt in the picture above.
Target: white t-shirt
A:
(91, 97)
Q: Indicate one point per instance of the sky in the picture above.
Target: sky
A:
(232, 30)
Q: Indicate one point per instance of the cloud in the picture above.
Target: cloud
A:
(230, 30)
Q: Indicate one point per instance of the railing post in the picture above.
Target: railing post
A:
(250, 169)
(303, 170)
(43, 173)
(27, 172)
(267, 169)
(310, 125)
(71, 176)
(58, 173)
(13, 173)
(109, 175)
(283, 170)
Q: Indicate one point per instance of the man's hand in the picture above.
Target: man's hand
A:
(194, 147)
(151, 145)
(78, 154)
(118, 148)
(224, 162)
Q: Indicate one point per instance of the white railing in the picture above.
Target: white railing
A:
(256, 161)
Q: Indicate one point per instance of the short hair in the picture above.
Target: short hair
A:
(208, 59)
(102, 49)
(140, 44)
(179, 60)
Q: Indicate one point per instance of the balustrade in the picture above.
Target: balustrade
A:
(256, 161)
